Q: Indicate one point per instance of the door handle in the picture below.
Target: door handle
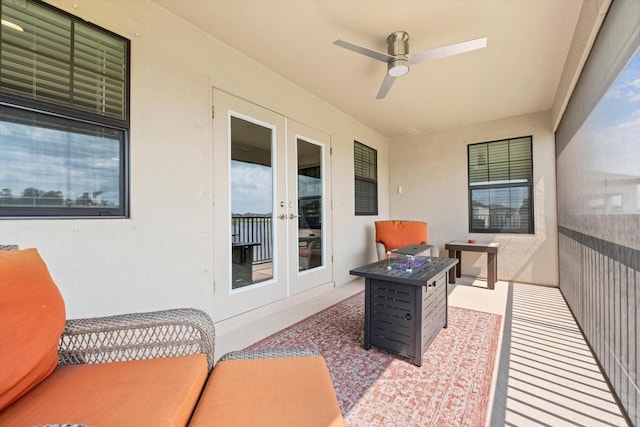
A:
(293, 216)
(282, 216)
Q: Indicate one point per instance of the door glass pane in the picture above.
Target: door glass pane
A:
(251, 203)
(310, 205)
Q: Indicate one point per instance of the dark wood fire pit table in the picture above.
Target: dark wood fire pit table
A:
(405, 310)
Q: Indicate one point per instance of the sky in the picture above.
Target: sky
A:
(251, 188)
(605, 152)
(612, 132)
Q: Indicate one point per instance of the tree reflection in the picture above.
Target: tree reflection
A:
(32, 196)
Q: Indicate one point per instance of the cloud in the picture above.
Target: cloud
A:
(53, 160)
(251, 188)
(630, 123)
(616, 92)
(625, 89)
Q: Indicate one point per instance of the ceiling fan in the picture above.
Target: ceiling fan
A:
(399, 59)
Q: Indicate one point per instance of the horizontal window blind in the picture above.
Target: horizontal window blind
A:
(50, 57)
(365, 162)
(500, 162)
(366, 198)
(366, 179)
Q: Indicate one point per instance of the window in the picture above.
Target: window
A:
(501, 186)
(366, 174)
(64, 119)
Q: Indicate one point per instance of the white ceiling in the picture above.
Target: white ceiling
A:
(517, 73)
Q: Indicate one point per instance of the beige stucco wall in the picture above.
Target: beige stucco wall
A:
(432, 171)
(162, 257)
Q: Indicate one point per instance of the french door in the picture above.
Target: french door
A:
(308, 155)
(271, 219)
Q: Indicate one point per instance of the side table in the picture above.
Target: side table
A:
(456, 248)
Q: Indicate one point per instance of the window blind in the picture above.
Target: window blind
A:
(500, 162)
(51, 57)
(366, 179)
(365, 161)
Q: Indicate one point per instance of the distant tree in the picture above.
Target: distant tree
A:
(84, 200)
(33, 193)
(53, 198)
(6, 196)
(30, 196)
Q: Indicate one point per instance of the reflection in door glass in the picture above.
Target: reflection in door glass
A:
(310, 205)
(251, 203)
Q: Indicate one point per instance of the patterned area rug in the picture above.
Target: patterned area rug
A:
(376, 388)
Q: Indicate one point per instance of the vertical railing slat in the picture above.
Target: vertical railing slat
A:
(254, 229)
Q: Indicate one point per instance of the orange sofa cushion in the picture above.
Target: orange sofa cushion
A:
(154, 392)
(32, 317)
(396, 234)
(289, 391)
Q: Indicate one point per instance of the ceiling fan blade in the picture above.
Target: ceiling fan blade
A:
(380, 56)
(450, 50)
(385, 86)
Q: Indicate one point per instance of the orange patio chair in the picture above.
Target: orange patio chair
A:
(394, 234)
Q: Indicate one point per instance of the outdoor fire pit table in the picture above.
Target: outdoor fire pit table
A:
(406, 303)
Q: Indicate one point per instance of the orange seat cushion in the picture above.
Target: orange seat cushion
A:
(396, 234)
(32, 317)
(155, 392)
(289, 391)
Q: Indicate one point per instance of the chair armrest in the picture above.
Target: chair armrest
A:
(270, 353)
(435, 251)
(137, 336)
(381, 251)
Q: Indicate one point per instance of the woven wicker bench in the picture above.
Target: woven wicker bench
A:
(151, 369)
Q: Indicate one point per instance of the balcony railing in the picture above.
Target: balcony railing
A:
(254, 229)
(505, 220)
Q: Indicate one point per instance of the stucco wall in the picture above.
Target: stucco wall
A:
(432, 171)
(162, 257)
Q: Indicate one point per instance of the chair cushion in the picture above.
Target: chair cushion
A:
(32, 315)
(396, 234)
(154, 392)
(288, 391)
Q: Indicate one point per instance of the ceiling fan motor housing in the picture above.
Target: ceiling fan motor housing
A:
(398, 47)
